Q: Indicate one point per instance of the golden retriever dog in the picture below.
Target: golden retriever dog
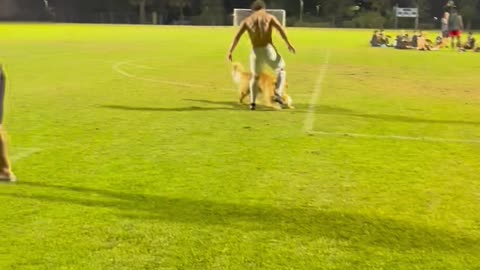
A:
(266, 86)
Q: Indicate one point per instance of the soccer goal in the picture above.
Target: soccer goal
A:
(240, 14)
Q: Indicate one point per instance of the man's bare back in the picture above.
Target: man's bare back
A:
(259, 28)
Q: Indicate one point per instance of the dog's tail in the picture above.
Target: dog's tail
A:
(237, 69)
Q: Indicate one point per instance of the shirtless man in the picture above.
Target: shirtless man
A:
(6, 174)
(259, 26)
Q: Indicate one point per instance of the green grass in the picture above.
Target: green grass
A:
(128, 173)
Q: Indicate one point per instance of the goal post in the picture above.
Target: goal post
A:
(240, 14)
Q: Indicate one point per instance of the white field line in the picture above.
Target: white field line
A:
(24, 153)
(394, 137)
(310, 119)
(118, 68)
(199, 69)
(317, 91)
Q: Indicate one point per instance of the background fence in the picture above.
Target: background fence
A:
(313, 13)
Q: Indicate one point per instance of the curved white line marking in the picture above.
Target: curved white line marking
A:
(117, 68)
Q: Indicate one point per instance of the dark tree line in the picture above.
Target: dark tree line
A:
(349, 13)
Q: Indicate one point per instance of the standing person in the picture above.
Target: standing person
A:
(6, 174)
(455, 27)
(450, 4)
(445, 33)
(259, 26)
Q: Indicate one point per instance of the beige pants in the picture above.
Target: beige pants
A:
(267, 55)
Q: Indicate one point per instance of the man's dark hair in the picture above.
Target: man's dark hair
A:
(258, 5)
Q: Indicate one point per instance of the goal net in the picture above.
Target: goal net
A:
(240, 14)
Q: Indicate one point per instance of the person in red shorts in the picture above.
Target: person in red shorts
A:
(455, 27)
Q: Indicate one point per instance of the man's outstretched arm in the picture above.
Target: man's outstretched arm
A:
(276, 24)
(239, 35)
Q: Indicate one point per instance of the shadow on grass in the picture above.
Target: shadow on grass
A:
(231, 107)
(300, 108)
(159, 109)
(222, 106)
(332, 110)
(356, 228)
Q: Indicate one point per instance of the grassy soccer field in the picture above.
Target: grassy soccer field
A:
(132, 153)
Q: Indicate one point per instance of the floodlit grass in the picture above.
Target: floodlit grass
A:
(132, 153)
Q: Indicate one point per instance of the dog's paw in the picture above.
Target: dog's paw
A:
(277, 107)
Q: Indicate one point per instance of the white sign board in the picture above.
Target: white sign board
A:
(407, 12)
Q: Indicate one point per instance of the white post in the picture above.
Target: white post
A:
(417, 19)
(301, 10)
(396, 17)
(154, 17)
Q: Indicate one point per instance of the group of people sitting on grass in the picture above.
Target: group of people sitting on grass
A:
(419, 41)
